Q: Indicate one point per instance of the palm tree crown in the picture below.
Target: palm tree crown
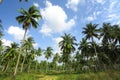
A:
(90, 31)
(29, 18)
(48, 52)
(67, 44)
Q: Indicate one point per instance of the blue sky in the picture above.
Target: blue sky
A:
(59, 17)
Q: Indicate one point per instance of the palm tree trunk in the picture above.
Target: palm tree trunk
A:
(3, 68)
(96, 53)
(22, 64)
(36, 66)
(18, 60)
(29, 67)
(6, 67)
(94, 48)
(46, 67)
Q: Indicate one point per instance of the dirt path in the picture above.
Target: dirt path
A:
(47, 77)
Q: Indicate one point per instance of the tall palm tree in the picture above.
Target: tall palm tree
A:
(55, 60)
(27, 45)
(27, 19)
(48, 54)
(105, 33)
(56, 57)
(38, 54)
(30, 58)
(10, 54)
(84, 46)
(116, 32)
(67, 45)
(90, 32)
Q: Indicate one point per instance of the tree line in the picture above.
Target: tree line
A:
(99, 50)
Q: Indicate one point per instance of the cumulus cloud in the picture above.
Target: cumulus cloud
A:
(6, 42)
(56, 44)
(46, 30)
(55, 20)
(36, 4)
(16, 32)
(73, 4)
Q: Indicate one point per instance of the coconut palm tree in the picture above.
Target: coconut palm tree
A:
(90, 32)
(105, 33)
(116, 32)
(10, 54)
(48, 54)
(30, 58)
(109, 35)
(84, 46)
(27, 19)
(27, 45)
(67, 45)
(55, 59)
(38, 54)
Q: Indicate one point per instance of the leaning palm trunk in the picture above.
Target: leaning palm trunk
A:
(18, 60)
(22, 64)
(6, 67)
(3, 68)
(23, 61)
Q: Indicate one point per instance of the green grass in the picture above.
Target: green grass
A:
(22, 76)
(107, 75)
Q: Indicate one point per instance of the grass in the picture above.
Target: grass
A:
(23, 76)
(107, 75)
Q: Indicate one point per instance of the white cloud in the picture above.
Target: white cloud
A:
(90, 18)
(35, 45)
(46, 30)
(6, 42)
(112, 6)
(94, 16)
(55, 20)
(100, 1)
(73, 4)
(112, 12)
(56, 44)
(16, 32)
(36, 4)
(111, 17)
